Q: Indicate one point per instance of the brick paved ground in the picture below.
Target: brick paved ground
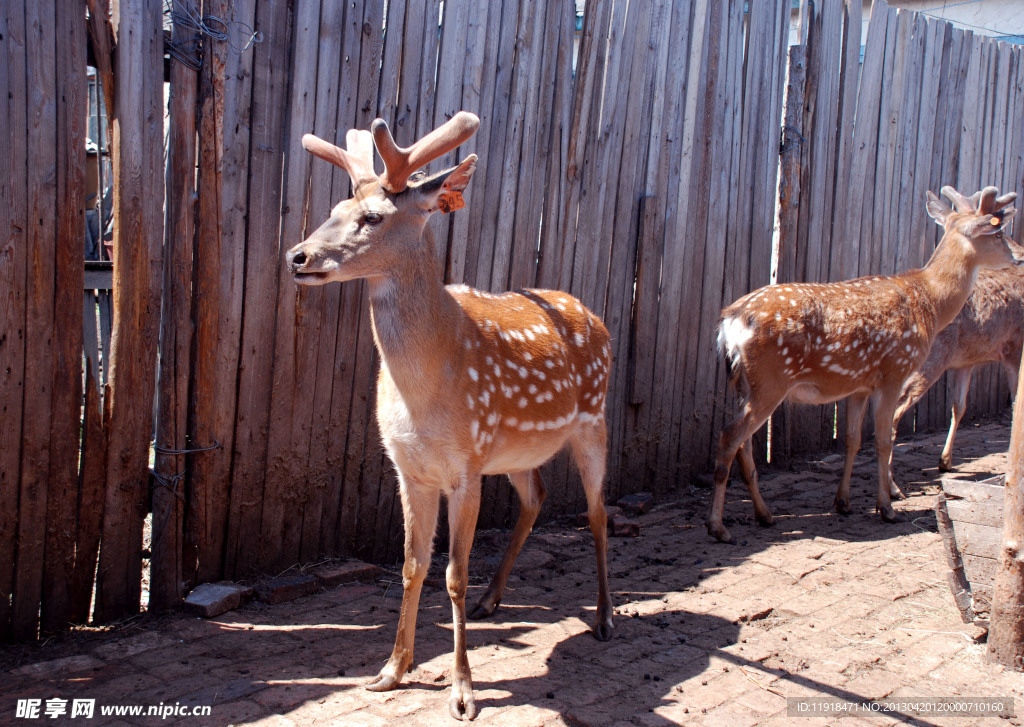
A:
(707, 634)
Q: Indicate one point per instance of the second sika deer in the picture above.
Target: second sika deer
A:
(990, 328)
(858, 340)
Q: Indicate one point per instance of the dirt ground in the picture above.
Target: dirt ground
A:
(706, 634)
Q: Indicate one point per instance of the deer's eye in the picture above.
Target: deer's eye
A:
(372, 218)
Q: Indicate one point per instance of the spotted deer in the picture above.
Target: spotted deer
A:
(859, 340)
(471, 383)
(990, 328)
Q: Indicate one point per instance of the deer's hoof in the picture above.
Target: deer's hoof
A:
(383, 683)
(719, 532)
(945, 464)
(889, 515)
(483, 610)
(842, 505)
(461, 705)
(603, 631)
(765, 520)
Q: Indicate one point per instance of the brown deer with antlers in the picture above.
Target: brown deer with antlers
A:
(470, 383)
(858, 340)
(990, 328)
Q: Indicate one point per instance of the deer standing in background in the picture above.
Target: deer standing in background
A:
(989, 328)
(470, 383)
(859, 340)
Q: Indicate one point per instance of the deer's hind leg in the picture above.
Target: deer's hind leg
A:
(748, 471)
(961, 385)
(589, 448)
(530, 488)
(885, 407)
(735, 440)
(855, 408)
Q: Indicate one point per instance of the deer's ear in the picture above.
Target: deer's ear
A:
(991, 224)
(937, 210)
(444, 191)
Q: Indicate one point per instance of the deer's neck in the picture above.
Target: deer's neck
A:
(949, 277)
(417, 328)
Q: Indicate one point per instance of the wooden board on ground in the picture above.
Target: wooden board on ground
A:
(970, 516)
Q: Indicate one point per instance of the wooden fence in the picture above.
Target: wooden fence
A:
(642, 179)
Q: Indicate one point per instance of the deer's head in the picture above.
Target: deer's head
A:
(979, 221)
(382, 224)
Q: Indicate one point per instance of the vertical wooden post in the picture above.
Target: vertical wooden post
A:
(13, 265)
(66, 386)
(138, 224)
(168, 550)
(785, 252)
(1006, 633)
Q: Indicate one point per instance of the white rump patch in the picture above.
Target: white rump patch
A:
(733, 335)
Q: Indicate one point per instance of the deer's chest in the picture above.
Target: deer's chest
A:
(422, 445)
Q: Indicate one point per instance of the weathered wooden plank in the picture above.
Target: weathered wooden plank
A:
(988, 512)
(843, 262)
(40, 44)
(267, 122)
(586, 97)
(691, 226)
(901, 217)
(958, 583)
(972, 491)
(284, 465)
(218, 294)
(234, 115)
(978, 540)
(969, 176)
(729, 201)
(318, 311)
(981, 572)
(478, 93)
(529, 91)
(14, 235)
(877, 190)
(622, 243)
(138, 226)
(555, 87)
(167, 566)
(676, 254)
(553, 249)
(352, 381)
(665, 91)
(65, 432)
(447, 102)
(490, 205)
(866, 135)
(785, 426)
(335, 369)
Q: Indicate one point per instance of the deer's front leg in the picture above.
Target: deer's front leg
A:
(463, 509)
(419, 507)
